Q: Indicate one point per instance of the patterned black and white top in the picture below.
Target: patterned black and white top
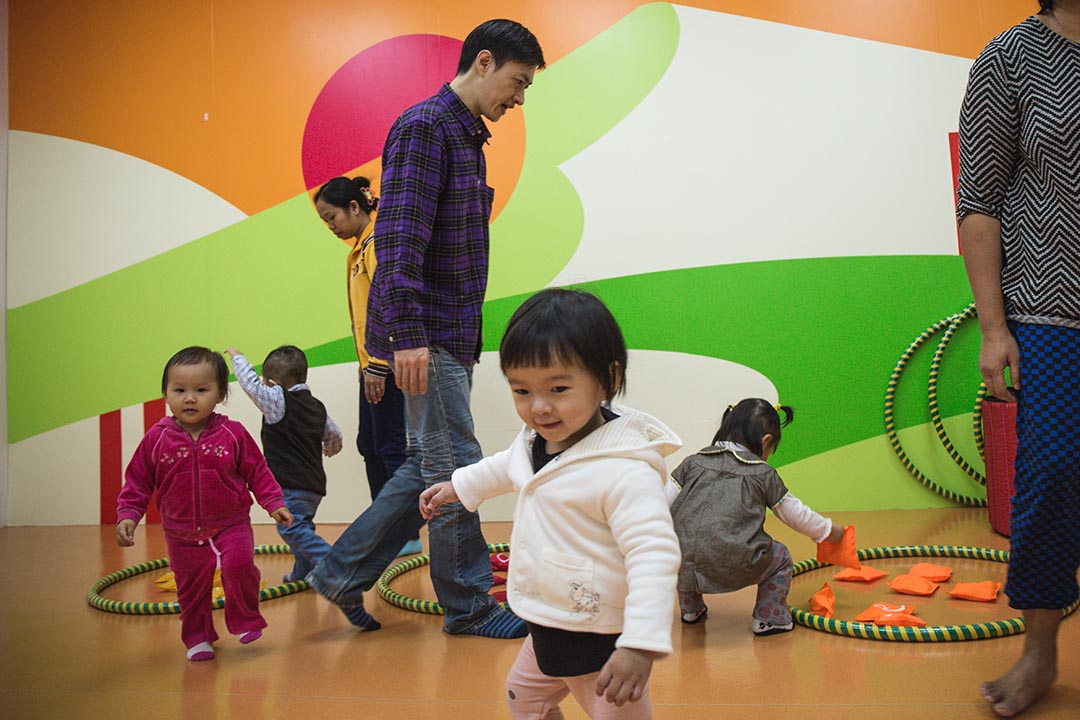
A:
(1020, 163)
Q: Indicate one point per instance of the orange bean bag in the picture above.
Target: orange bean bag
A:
(933, 573)
(912, 585)
(842, 553)
(985, 591)
(823, 602)
(864, 574)
(888, 614)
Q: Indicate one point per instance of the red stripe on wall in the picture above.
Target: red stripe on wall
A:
(111, 464)
(954, 154)
(152, 411)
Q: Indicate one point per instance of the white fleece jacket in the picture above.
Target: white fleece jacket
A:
(592, 548)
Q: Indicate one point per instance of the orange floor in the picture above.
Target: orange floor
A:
(61, 658)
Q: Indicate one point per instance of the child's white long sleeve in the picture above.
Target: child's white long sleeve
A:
(798, 516)
(331, 441)
(270, 399)
(671, 490)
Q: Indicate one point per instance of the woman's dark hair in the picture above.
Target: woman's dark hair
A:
(752, 419)
(286, 365)
(196, 355)
(1046, 6)
(506, 40)
(340, 191)
(569, 326)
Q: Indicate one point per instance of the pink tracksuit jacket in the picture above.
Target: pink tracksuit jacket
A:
(202, 487)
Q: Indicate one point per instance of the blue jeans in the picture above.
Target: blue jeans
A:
(308, 548)
(381, 439)
(440, 440)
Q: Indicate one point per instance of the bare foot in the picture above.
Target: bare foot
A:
(1018, 688)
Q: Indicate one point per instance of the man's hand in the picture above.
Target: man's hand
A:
(411, 370)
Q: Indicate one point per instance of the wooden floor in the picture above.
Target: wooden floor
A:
(61, 658)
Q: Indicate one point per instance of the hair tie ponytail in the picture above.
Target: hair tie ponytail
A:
(371, 202)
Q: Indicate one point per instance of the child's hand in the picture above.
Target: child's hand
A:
(125, 533)
(623, 677)
(282, 516)
(436, 495)
(837, 533)
(374, 387)
(230, 351)
(839, 548)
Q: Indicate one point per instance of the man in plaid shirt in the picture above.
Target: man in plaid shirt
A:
(424, 316)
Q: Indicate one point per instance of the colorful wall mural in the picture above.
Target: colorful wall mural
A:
(761, 191)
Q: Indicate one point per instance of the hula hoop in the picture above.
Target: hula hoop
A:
(930, 633)
(976, 420)
(935, 414)
(412, 604)
(167, 608)
(890, 422)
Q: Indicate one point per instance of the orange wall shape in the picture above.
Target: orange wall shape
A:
(137, 76)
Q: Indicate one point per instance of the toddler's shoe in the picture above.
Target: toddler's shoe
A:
(250, 636)
(202, 651)
(695, 617)
(413, 547)
(762, 628)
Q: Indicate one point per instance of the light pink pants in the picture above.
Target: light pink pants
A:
(194, 563)
(534, 696)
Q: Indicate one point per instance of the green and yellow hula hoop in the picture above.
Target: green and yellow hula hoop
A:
(412, 604)
(935, 414)
(167, 608)
(929, 633)
(952, 321)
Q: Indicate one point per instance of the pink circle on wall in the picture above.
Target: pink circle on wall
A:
(350, 118)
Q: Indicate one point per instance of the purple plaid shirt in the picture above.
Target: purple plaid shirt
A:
(431, 232)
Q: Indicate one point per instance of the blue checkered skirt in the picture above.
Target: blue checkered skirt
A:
(1045, 520)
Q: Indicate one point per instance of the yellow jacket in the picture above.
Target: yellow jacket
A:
(360, 268)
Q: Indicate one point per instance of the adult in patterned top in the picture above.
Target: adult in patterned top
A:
(424, 314)
(1019, 213)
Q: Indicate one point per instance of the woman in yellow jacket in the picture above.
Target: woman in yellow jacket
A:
(347, 206)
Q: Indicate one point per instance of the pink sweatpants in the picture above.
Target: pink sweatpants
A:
(535, 696)
(194, 563)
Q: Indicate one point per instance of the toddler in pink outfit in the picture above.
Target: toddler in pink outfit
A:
(204, 468)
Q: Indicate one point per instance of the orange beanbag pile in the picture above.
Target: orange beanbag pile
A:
(912, 585)
(933, 573)
(823, 602)
(864, 574)
(887, 614)
(985, 591)
(841, 553)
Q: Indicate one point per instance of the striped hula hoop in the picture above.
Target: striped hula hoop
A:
(169, 608)
(929, 633)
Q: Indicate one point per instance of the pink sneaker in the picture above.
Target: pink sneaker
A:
(199, 653)
(250, 637)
